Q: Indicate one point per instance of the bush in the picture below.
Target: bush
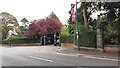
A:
(67, 39)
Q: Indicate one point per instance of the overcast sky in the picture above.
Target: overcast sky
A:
(36, 9)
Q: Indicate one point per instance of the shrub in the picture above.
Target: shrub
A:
(67, 39)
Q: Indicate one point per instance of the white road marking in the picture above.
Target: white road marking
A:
(87, 56)
(66, 54)
(101, 58)
(41, 59)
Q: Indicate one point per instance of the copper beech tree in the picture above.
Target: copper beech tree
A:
(43, 27)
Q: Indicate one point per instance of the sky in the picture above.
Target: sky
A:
(36, 9)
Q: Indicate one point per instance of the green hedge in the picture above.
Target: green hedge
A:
(16, 40)
(88, 39)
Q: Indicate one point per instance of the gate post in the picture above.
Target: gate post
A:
(100, 38)
(54, 39)
(44, 40)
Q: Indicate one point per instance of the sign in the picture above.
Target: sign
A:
(73, 14)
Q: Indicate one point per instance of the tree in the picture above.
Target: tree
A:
(112, 9)
(6, 19)
(23, 28)
(4, 30)
(84, 10)
(87, 8)
(64, 30)
(53, 15)
(25, 22)
(43, 27)
(84, 14)
(0, 33)
(109, 22)
(113, 15)
(72, 25)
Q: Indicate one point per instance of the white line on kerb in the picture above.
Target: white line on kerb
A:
(66, 54)
(101, 58)
(87, 56)
(41, 59)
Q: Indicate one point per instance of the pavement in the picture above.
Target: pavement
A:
(71, 49)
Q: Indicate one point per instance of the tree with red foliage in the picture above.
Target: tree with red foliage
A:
(43, 27)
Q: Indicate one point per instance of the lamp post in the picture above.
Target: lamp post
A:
(77, 32)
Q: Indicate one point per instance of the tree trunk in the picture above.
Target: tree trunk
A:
(85, 18)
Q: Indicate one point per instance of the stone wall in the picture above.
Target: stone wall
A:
(112, 48)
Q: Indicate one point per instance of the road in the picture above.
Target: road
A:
(47, 56)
